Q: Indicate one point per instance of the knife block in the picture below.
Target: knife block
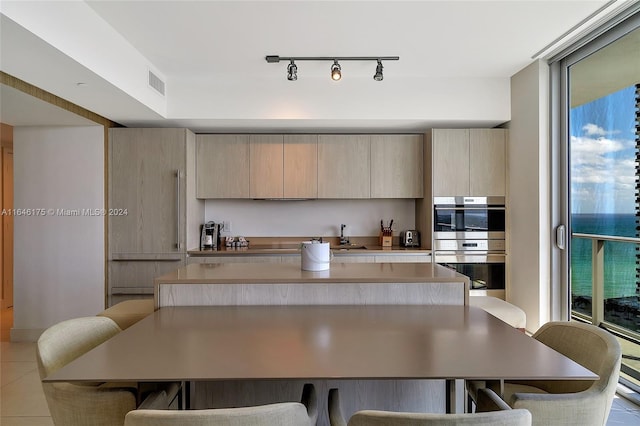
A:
(386, 240)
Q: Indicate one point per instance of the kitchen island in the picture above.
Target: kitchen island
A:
(287, 284)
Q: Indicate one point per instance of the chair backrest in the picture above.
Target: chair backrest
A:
(63, 342)
(387, 418)
(589, 346)
(495, 412)
(281, 414)
(86, 403)
(304, 413)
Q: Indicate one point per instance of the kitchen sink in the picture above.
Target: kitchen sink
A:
(349, 247)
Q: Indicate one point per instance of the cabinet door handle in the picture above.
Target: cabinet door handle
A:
(178, 181)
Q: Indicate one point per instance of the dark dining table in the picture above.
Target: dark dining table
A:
(321, 342)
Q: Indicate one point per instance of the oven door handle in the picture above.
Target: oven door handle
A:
(476, 257)
(496, 208)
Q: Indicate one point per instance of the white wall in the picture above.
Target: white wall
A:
(529, 194)
(59, 262)
(312, 218)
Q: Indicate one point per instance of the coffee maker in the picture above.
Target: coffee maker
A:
(209, 233)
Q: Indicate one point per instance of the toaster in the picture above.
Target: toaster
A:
(410, 238)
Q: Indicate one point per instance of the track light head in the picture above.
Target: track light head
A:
(336, 71)
(292, 71)
(378, 75)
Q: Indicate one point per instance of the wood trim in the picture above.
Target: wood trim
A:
(6, 135)
(45, 96)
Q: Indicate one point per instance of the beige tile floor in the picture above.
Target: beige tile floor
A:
(22, 401)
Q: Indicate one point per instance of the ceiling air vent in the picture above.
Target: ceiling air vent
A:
(156, 83)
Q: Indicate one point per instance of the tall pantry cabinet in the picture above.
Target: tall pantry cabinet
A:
(156, 215)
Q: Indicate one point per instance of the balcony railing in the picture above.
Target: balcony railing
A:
(613, 267)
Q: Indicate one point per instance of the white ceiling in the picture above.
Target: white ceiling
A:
(456, 60)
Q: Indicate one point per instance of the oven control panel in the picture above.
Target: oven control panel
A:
(470, 245)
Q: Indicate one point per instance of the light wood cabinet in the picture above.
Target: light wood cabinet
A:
(151, 174)
(468, 162)
(450, 167)
(487, 167)
(222, 166)
(309, 166)
(266, 166)
(129, 278)
(283, 166)
(147, 175)
(396, 166)
(300, 166)
(344, 166)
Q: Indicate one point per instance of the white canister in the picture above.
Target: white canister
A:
(316, 256)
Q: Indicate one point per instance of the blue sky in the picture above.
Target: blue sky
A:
(602, 154)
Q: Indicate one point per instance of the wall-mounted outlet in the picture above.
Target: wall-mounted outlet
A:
(226, 226)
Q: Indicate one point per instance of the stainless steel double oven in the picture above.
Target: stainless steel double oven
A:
(469, 236)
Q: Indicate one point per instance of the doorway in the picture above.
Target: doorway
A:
(6, 232)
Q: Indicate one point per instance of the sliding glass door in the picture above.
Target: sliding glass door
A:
(602, 93)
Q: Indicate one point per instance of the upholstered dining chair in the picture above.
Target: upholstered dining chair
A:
(569, 402)
(492, 412)
(304, 413)
(96, 404)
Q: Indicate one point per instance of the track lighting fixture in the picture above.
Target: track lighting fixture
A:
(336, 69)
(378, 75)
(292, 71)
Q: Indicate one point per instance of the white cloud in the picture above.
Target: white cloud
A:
(597, 146)
(591, 129)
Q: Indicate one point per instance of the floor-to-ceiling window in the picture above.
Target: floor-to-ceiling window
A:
(601, 83)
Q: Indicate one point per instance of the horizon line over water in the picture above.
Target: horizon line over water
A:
(620, 258)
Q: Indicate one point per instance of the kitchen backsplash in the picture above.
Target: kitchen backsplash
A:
(322, 218)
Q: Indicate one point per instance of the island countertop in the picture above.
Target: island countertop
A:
(274, 273)
(238, 284)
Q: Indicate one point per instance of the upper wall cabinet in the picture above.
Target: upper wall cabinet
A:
(283, 166)
(396, 166)
(300, 166)
(266, 166)
(344, 166)
(222, 163)
(487, 165)
(469, 162)
(309, 166)
(450, 162)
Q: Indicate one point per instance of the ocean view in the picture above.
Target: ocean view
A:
(620, 258)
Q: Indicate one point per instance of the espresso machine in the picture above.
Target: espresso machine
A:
(209, 235)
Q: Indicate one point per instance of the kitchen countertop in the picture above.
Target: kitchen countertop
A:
(294, 249)
(265, 273)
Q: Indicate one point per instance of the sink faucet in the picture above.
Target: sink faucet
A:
(343, 239)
